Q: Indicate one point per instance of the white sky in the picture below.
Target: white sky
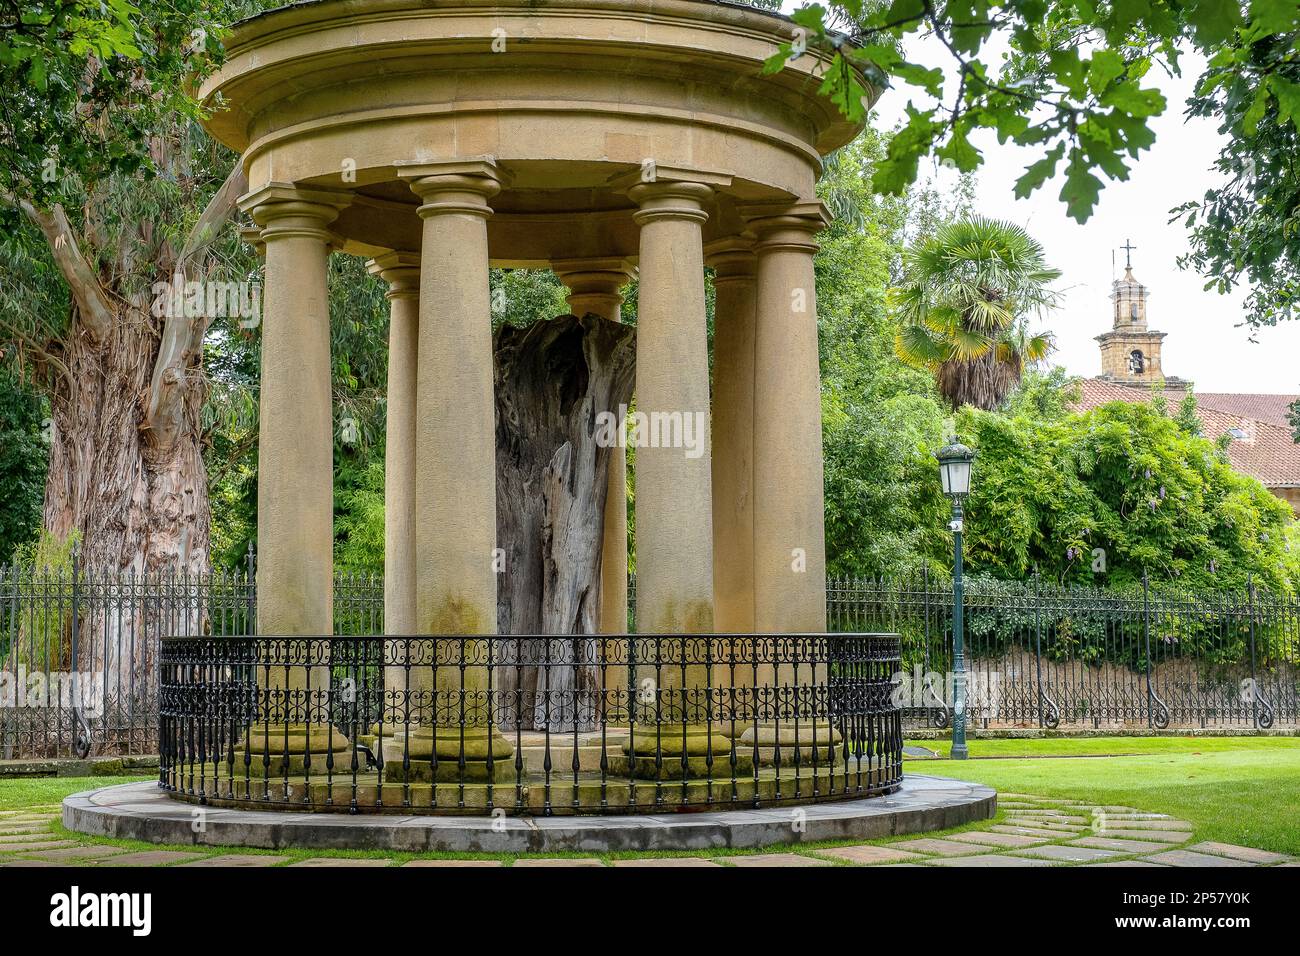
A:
(1205, 341)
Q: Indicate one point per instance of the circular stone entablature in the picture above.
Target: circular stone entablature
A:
(571, 99)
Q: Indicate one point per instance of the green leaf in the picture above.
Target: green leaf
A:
(898, 169)
(1081, 189)
(1255, 112)
(1214, 21)
(1134, 100)
(1104, 66)
(1040, 172)
(1288, 97)
(1068, 69)
(959, 152)
(1274, 16)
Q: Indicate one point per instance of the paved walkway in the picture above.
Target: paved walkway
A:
(1037, 831)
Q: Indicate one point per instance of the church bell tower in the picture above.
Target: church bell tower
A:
(1130, 352)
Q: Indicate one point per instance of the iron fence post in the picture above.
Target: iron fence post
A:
(1254, 676)
(1038, 643)
(1146, 639)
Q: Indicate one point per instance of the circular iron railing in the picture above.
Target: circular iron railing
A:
(529, 725)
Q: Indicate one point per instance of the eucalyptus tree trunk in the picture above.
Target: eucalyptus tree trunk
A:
(126, 472)
(552, 381)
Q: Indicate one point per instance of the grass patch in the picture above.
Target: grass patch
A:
(22, 793)
(1235, 794)
(1110, 746)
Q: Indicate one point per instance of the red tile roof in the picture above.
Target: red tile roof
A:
(1265, 408)
(1265, 449)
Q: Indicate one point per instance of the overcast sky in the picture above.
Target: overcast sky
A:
(1205, 341)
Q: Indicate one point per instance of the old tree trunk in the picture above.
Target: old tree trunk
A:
(126, 473)
(552, 380)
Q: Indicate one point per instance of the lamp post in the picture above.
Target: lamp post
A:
(954, 473)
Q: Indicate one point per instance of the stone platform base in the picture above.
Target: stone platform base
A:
(565, 794)
(141, 811)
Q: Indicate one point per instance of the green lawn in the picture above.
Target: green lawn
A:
(1243, 790)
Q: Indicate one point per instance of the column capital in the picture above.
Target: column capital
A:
(594, 284)
(401, 270)
(462, 186)
(786, 225)
(283, 210)
(253, 236)
(731, 259)
(670, 200)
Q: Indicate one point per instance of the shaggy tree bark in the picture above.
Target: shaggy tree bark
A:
(552, 380)
(126, 470)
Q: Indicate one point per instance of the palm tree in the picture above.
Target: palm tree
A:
(964, 307)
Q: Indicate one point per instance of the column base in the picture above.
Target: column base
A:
(443, 755)
(279, 749)
(664, 752)
(812, 740)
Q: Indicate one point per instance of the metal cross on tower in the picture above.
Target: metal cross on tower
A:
(1128, 248)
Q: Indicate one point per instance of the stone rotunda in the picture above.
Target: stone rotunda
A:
(605, 140)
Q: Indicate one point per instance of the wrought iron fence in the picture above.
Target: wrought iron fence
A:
(78, 666)
(1045, 656)
(536, 725)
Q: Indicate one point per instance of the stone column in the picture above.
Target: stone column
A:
(401, 271)
(733, 264)
(455, 460)
(789, 522)
(295, 471)
(674, 526)
(594, 286)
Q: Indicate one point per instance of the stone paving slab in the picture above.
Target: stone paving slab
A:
(1154, 866)
(36, 845)
(988, 859)
(18, 863)
(152, 858)
(1047, 820)
(869, 855)
(1169, 826)
(1066, 854)
(1188, 858)
(668, 861)
(985, 838)
(5, 841)
(74, 853)
(1038, 834)
(341, 861)
(1161, 836)
(452, 863)
(937, 846)
(776, 859)
(23, 828)
(559, 861)
(239, 860)
(1244, 853)
(1123, 846)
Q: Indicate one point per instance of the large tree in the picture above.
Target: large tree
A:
(113, 200)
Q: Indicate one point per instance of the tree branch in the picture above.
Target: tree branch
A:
(93, 303)
(182, 335)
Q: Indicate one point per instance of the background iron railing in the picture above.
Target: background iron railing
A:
(538, 724)
(1039, 654)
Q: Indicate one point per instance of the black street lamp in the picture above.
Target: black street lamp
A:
(954, 472)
